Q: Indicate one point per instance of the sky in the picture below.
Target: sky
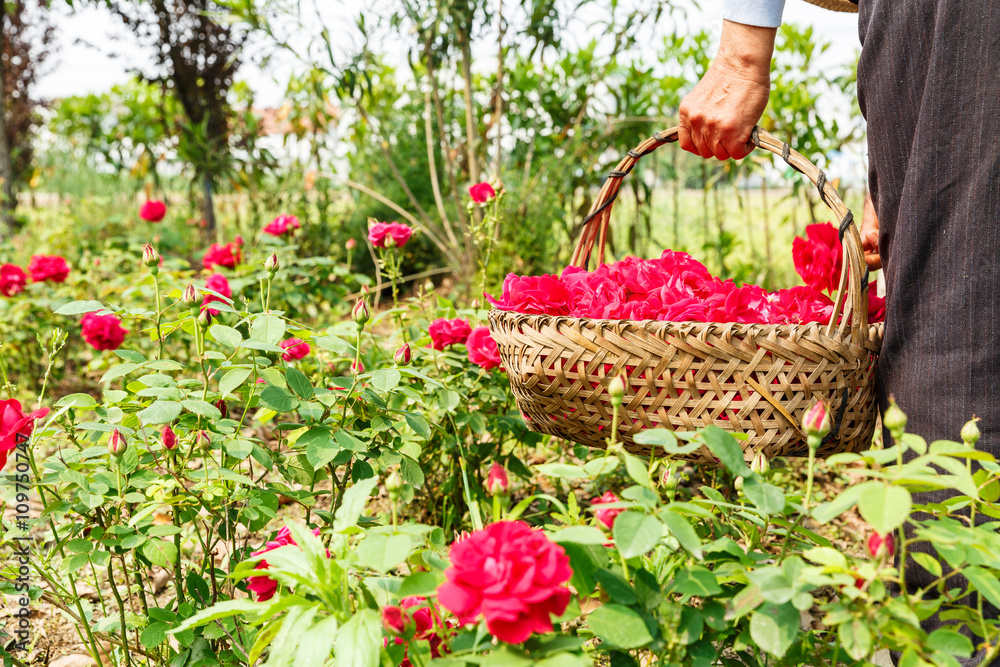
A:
(93, 52)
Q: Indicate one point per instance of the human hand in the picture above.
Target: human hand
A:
(718, 116)
(869, 236)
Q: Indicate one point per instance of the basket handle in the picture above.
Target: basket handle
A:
(852, 292)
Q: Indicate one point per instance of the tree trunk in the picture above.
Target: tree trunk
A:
(9, 202)
(208, 207)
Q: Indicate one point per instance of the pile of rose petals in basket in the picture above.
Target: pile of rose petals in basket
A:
(678, 288)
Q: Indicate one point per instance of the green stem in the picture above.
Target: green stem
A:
(121, 610)
(3, 371)
(159, 312)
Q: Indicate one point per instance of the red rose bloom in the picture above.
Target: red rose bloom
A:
(482, 193)
(15, 426)
(425, 621)
(12, 279)
(483, 349)
(512, 576)
(799, 305)
(819, 258)
(295, 348)
(283, 224)
(217, 283)
(51, 268)
(608, 516)
(380, 234)
(153, 211)
(103, 332)
(541, 295)
(445, 333)
(227, 256)
(263, 587)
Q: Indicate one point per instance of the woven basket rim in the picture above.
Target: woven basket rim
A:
(686, 324)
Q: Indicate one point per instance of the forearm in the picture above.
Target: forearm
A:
(745, 51)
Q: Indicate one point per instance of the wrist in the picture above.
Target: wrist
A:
(745, 52)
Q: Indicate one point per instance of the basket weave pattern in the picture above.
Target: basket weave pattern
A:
(755, 379)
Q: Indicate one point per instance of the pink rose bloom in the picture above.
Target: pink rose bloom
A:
(748, 305)
(12, 279)
(153, 211)
(532, 295)
(876, 307)
(51, 268)
(510, 575)
(227, 256)
(102, 332)
(799, 305)
(388, 234)
(818, 258)
(283, 224)
(15, 426)
(483, 349)
(295, 348)
(263, 587)
(482, 192)
(445, 333)
(217, 283)
(606, 517)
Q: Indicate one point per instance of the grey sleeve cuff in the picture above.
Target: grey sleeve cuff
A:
(763, 13)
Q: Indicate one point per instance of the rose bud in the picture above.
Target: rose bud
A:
(760, 464)
(970, 432)
(403, 355)
(350, 244)
(394, 485)
(389, 242)
(271, 265)
(475, 304)
(395, 620)
(365, 291)
(739, 485)
(616, 389)
(116, 443)
(221, 405)
(357, 367)
(205, 318)
(894, 419)
(816, 421)
(360, 314)
(881, 545)
(168, 438)
(497, 481)
(191, 298)
(150, 257)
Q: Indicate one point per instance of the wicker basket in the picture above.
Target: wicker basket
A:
(755, 379)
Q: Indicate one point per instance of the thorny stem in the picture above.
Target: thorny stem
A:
(121, 611)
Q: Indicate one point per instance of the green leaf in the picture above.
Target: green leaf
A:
(348, 441)
(638, 471)
(76, 401)
(696, 580)
(774, 627)
(160, 552)
(619, 626)
(80, 307)
(950, 642)
(119, 371)
(384, 552)
(278, 399)
(419, 424)
(636, 534)
(827, 512)
(856, 638)
(579, 535)
(315, 644)
(130, 355)
(385, 379)
(233, 379)
(359, 641)
(355, 499)
(614, 584)
(154, 634)
(682, 531)
(725, 448)
(320, 447)
(563, 470)
(299, 383)
(423, 584)
(224, 609)
(202, 408)
(928, 562)
(226, 335)
(411, 472)
(768, 498)
(985, 582)
(884, 507)
(160, 412)
(267, 328)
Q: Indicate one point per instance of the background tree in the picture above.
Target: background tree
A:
(27, 36)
